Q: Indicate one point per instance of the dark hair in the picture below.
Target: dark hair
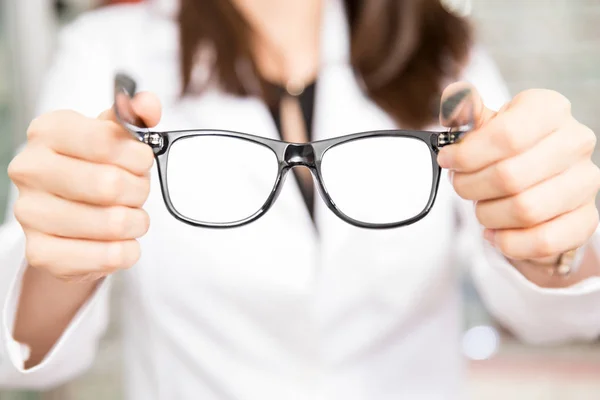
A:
(404, 50)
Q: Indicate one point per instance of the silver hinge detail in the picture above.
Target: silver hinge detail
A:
(154, 140)
(446, 138)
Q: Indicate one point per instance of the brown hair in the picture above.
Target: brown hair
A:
(404, 50)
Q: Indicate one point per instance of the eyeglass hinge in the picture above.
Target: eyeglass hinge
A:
(446, 138)
(154, 140)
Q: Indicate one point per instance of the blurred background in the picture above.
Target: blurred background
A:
(537, 43)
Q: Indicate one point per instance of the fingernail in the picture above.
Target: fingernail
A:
(450, 105)
(444, 159)
(490, 236)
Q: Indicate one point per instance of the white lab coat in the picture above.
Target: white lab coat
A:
(272, 311)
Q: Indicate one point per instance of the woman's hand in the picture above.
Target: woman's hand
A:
(528, 168)
(82, 183)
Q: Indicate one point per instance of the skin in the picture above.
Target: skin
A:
(529, 172)
(77, 169)
(287, 37)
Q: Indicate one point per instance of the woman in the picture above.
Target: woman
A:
(298, 304)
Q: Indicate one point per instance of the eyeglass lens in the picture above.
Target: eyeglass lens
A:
(233, 178)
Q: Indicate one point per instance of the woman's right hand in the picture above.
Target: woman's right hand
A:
(82, 184)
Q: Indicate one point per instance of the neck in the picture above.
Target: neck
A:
(287, 40)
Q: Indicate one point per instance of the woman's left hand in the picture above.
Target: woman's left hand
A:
(528, 167)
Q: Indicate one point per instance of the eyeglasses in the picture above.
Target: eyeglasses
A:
(223, 179)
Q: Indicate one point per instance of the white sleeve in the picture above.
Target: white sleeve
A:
(72, 354)
(534, 314)
(79, 79)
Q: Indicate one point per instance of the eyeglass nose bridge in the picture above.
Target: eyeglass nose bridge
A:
(299, 155)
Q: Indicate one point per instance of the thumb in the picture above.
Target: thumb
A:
(461, 104)
(145, 108)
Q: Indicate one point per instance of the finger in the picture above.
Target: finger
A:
(542, 202)
(104, 142)
(97, 140)
(460, 104)
(78, 180)
(525, 121)
(145, 105)
(71, 257)
(58, 217)
(552, 238)
(516, 174)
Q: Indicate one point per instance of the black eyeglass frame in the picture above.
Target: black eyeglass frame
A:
(289, 155)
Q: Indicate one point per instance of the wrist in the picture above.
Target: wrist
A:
(551, 261)
(560, 271)
(45, 307)
(42, 278)
(562, 265)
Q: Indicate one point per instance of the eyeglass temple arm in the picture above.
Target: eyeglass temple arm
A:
(454, 135)
(127, 85)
